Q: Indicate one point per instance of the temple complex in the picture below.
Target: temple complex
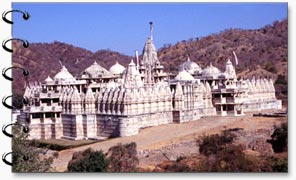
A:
(102, 103)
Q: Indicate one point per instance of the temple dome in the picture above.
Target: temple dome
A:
(229, 70)
(117, 68)
(48, 79)
(94, 71)
(190, 66)
(184, 76)
(132, 70)
(211, 71)
(132, 76)
(64, 75)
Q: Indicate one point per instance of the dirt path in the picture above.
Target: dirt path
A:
(157, 137)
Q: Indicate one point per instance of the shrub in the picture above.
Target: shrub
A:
(280, 164)
(176, 167)
(279, 138)
(211, 144)
(230, 158)
(281, 80)
(123, 158)
(88, 161)
(223, 156)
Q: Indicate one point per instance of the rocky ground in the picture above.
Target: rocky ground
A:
(168, 142)
(252, 141)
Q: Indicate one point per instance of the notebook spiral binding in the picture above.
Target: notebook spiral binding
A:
(25, 129)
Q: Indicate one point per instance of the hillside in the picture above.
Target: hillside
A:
(43, 59)
(262, 52)
(268, 45)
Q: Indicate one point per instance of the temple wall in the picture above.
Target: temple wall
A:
(208, 111)
(188, 115)
(114, 126)
(154, 119)
(192, 114)
(89, 124)
(35, 131)
(47, 131)
(128, 126)
(107, 125)
(86, 126)
(47, 128)
(265, 105)
(72, 126)
(58, 130)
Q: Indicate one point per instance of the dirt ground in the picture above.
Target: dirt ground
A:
(175, 139)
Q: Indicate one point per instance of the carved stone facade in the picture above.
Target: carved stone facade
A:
(120, 102)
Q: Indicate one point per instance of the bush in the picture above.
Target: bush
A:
(177, 167)
(279, 164)
(279, 138)
(211, 144)
(123, 158)
(88, 161)
(281, 80)
(223, 156)
(230, 158)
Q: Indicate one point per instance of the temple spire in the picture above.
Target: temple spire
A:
(188, 58)
(151, 28)
(137, 59)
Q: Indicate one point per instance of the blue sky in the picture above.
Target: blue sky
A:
(125, 27)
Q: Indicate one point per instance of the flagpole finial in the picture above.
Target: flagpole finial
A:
(151, 27)
(236, 60)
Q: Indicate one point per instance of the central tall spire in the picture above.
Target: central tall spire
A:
(149, 51)
(149, 57)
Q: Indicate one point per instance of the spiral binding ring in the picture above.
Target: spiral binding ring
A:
(25, 101)
(25, 72)
(25, 158)
(24, 128)
(25, 44)
(26, 15)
